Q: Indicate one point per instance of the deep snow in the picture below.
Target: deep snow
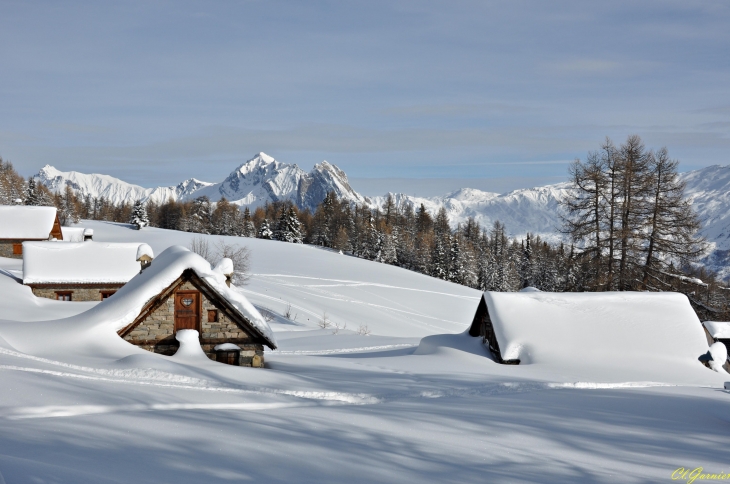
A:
(415, 401)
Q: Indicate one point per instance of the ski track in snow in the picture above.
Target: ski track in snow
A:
(340, 350)
(55, 411)
(336, 397)
(341, 298)
(345, 282)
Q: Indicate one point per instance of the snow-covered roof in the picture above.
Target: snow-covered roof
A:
(79, 262)
(603, 328)
(718, 329)
(26, 222)
(73, 234)
(122, 309)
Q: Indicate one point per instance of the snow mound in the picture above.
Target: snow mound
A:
(718, 351)
(445, 343)
(224, 266)
(190, 349)
(227, 347)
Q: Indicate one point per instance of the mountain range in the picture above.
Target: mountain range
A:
(263, 179)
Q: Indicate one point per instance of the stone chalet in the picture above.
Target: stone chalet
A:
(21, 223)
(78, 271)
(179, 290)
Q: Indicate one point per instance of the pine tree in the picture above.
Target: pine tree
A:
(200, 216)
(265, 231)
(289, 227)
(249, 229)
(32, 197)
(139, 217)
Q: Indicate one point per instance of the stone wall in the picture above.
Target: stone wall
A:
(6, 250)
(78, 293)
(156, 332)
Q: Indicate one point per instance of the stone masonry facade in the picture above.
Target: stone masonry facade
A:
(78, 293)
(6, 249)
(156, 332)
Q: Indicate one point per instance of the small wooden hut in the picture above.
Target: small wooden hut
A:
(604, 329)
(21, 223)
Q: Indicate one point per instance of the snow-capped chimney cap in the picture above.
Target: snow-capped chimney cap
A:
(18, 201)
(88, 234)
(145, 255)
(224, 266)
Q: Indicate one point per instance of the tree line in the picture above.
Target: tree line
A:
(626, 220)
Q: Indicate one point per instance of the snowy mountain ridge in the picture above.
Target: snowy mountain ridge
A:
(260, 180)
(263, 179)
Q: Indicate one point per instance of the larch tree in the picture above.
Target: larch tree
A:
(672, 224)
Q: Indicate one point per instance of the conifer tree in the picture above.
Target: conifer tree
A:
(265, 231)
(289, 227)
(139, 217)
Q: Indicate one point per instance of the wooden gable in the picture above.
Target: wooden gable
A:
(56, 229)
(482, 326)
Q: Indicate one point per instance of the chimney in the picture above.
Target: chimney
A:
(225, 267)
(88, 235)
(144, 256)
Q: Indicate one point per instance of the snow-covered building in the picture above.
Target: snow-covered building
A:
(718, 332)
(179, 290)
(77, 234)
(21, 223)
(605, 329)
(78, 271)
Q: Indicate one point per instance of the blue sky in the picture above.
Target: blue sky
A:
(499, 94)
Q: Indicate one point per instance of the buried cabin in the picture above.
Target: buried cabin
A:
(605, 329)
(78, 271)
(21, 223)
(230, 329)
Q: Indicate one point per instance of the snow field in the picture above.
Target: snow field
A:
(415, 401)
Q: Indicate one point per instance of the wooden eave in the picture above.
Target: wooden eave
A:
(219, 302)
(19, 241)
(75, 285)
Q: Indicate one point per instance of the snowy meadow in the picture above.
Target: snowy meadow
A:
(374, 380)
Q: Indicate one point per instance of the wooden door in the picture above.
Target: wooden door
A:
(187, 310)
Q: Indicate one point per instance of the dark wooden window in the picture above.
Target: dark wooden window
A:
(106, 294)
(64, 296)
(212, 315)
(17, 249)
(229, 357)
